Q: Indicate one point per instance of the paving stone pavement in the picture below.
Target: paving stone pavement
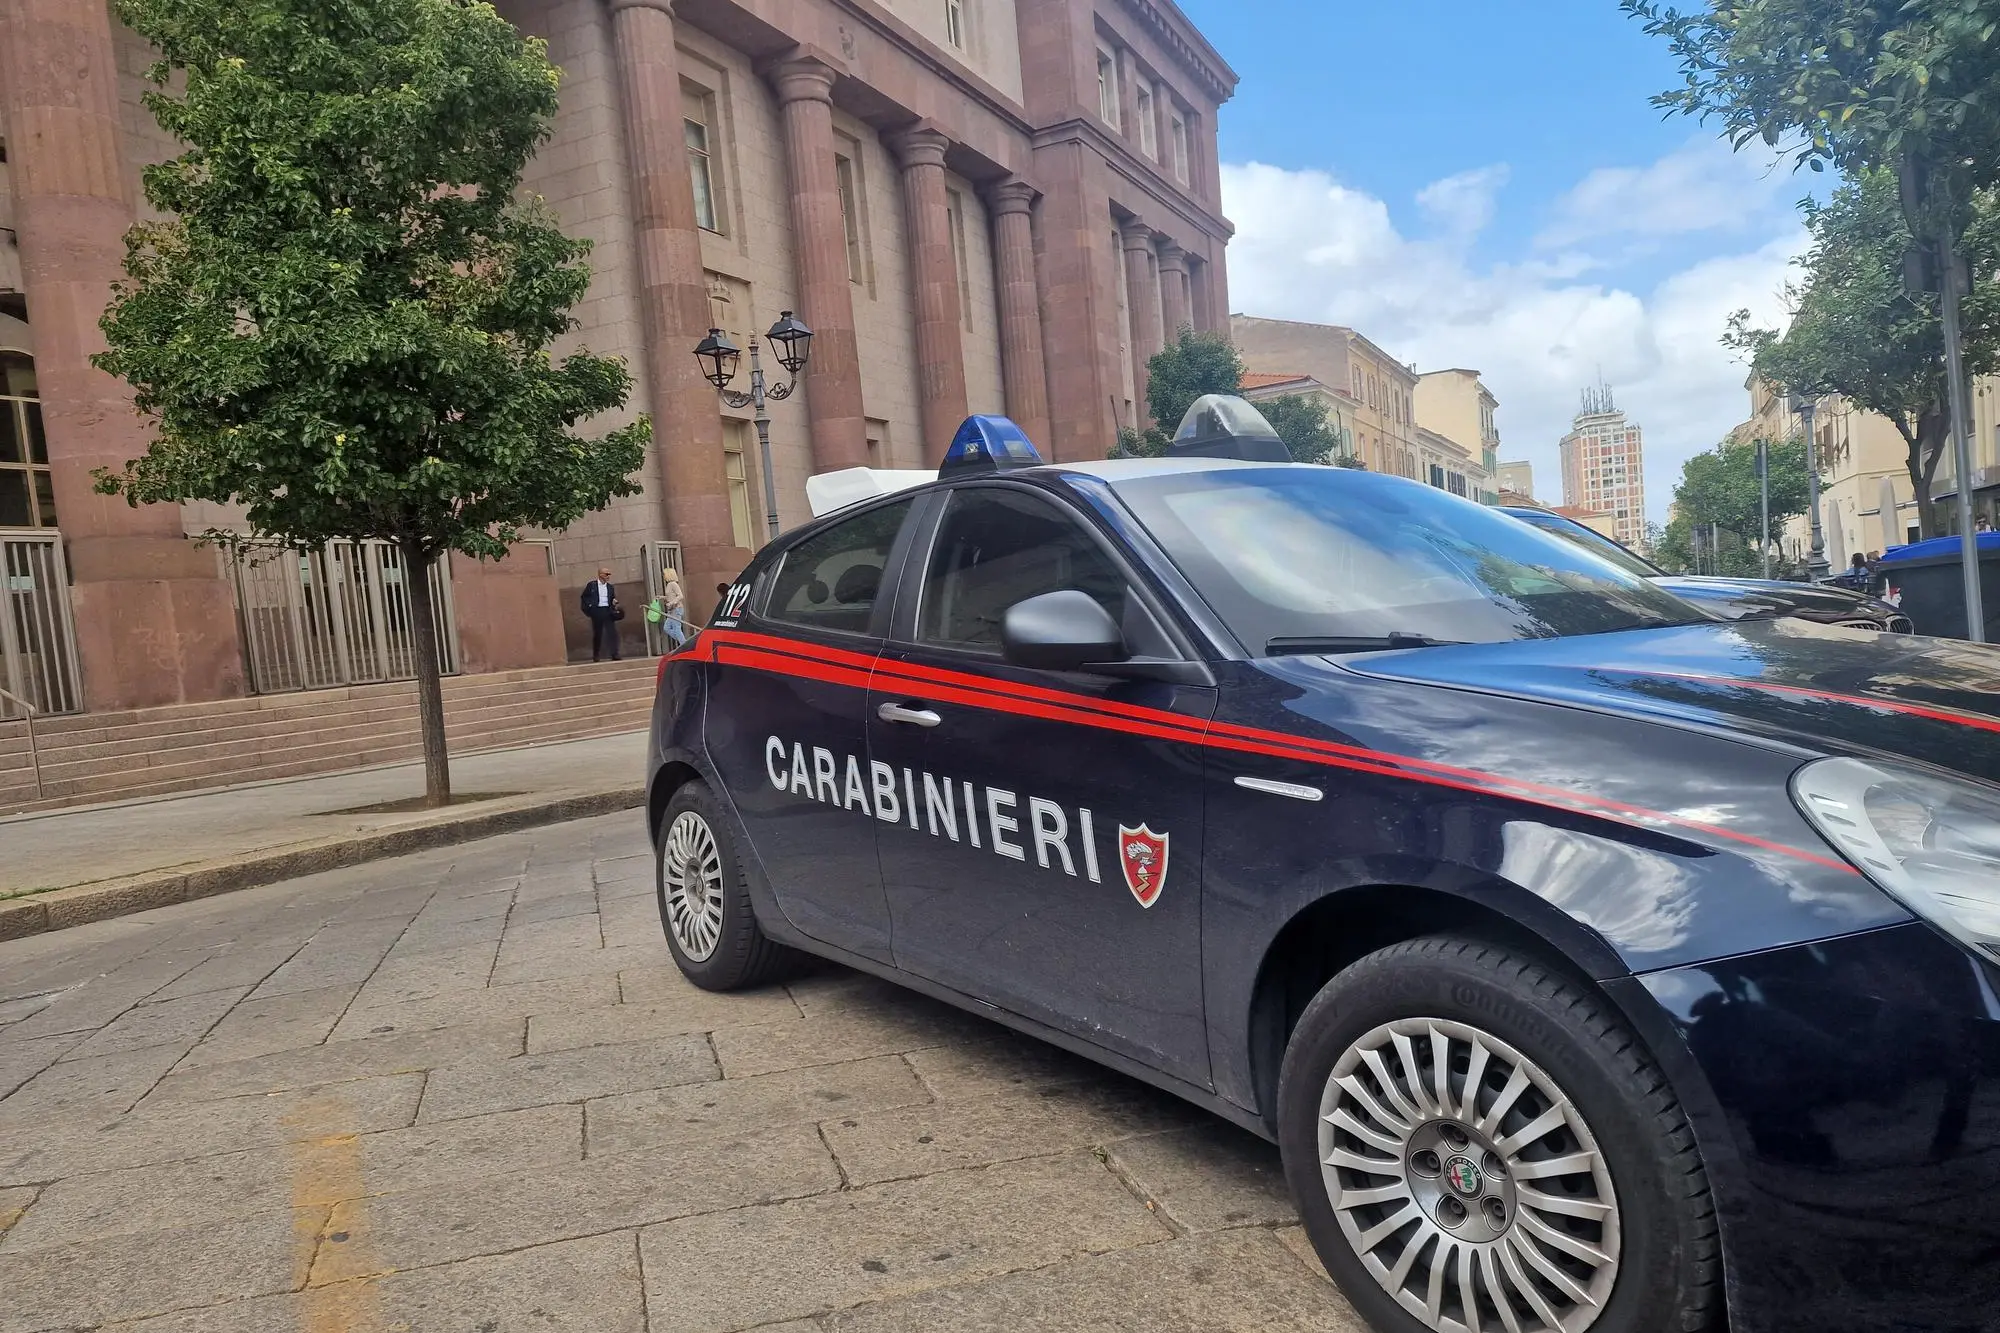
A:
(467, 1092)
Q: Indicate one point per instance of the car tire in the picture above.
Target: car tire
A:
(705, 906)
(1391, 1172)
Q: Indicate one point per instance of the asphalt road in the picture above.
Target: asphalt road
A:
(467, 1092)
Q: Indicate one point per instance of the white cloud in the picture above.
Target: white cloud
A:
(1464, 204)
(1700, 186)
(1309, 248)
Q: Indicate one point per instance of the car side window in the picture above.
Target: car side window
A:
(831, 581)
(996, 547)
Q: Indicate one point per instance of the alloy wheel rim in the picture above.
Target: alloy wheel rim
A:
(691, 871)
(1467, 1182)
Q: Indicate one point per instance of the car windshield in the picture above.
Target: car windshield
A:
(1293, 556)
(1589, 540)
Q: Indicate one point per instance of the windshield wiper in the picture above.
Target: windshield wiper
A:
(1353, 643)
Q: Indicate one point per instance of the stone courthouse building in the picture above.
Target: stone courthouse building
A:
(977, 206)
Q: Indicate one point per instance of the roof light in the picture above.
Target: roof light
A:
(989, 444)
(1222, 425)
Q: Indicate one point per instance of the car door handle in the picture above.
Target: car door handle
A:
(916, 717)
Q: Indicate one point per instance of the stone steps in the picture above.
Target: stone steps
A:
(186, 747)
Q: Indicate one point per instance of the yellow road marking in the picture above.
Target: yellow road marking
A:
(328, 1210)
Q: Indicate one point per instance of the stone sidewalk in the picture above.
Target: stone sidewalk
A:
(120, 857)
(467, 1090)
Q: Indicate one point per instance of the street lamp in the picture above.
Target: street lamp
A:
(719, 358)
(1816, 566)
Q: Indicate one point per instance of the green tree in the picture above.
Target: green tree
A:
(343, 322)
(1721, 487)
(1301, 422)
(1857, 330)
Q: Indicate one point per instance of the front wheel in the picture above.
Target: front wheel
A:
(1479, 1145)
(705, 903)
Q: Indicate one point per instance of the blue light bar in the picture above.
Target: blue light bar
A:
(989, 444)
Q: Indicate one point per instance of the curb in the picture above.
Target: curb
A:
(59, 909)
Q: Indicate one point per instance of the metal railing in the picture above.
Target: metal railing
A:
(28, 712)
(37, 637)
(338, 615)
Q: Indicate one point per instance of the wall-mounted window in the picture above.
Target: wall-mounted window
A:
(27, 491)
(954, 23)
(1107, 87)
(697, 123)
(954, 207)
(1149, 130)
(735, 465)
(1177, 144)
(850, 217)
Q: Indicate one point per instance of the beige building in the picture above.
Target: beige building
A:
(1446, 464)
(1518, 477)
(1382, 389)
(1457, 405)
(977, 205)
(1340, 407)
(1866, 501)
(1604, 466)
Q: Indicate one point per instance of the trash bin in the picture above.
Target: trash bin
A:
(1928, 574)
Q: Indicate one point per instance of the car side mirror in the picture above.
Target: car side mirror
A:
(1061, 631)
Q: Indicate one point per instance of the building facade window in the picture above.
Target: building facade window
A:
(1107, 87)
(27, 492)
(850, 217)
(735, 463)
(1177, 144)
(954, 23)
(954, 207)
(697, 121)
(1149, 131)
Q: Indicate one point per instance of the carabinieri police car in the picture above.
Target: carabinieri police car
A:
(1595, 963)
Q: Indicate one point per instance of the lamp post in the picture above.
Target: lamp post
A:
(1816, 566)
(719, 358)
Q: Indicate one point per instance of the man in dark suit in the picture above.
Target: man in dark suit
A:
(601, 609)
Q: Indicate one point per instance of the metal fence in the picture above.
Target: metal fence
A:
(339, 615)
(37, 637)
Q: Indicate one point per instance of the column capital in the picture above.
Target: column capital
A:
(921, 145)
(803, 79)
(664, 6)
(1136, 235)
(1011, 195)
(1173, 259)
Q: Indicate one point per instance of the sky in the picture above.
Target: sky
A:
(1485, 183)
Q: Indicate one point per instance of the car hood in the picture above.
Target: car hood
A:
(1738, 598)
(1812, 686)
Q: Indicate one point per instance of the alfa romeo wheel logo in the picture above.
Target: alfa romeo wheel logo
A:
(1464, 1176)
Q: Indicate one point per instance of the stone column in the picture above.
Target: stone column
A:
(155, 622)
(673, 299)
(1021, 359)
(941, 388)
(819, 238)
(1143, 294)
(1174, 288)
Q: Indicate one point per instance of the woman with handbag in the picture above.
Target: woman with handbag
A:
(669, 609)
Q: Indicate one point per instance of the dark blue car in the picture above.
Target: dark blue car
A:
(1595, 964)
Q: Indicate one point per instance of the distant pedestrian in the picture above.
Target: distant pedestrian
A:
(601, 608)
(1982, 526)
(669, 609)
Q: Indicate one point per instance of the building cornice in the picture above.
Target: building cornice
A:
(1183, 41)
(1143, 174)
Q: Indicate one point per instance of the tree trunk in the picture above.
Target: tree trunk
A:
(1933, 433)
(430, 684)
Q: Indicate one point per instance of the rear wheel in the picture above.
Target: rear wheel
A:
(1478, 1145)
(704, 901)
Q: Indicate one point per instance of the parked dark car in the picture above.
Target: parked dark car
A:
(1595, 964)
(1733, 599)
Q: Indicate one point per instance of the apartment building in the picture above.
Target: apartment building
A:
(1380, 389)
(977, 205)
(1260, 386)
(1604, 466)
(1457, 405)
(1867, 503)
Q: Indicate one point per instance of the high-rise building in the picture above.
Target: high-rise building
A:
(1604, 465)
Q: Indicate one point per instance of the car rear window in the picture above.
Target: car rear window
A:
(831, 580)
